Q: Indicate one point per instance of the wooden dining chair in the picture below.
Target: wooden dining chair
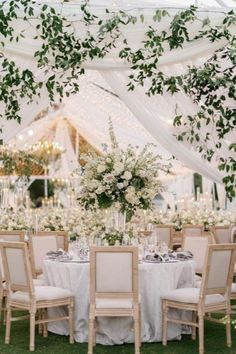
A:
(16, 235)
(22, 294)
(192, 230)
(114, 290)
(233, 234)
(197, 245)
(212, 296)
(164, 233)
(39, 245)
(222, 233)
(62, 238)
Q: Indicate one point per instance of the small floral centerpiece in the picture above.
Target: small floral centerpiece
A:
(127, 179)
(116, 238)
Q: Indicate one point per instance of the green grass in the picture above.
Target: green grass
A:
(55, 344)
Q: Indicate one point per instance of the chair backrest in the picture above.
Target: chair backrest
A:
(233, 234)
(218, 270)
(6, 236)
(222, 234)
(163, 233)
(198, 246)
(61, 237)
(16, 235)
(113, 273)
(39, 246)
(192, 230)
(17, 268)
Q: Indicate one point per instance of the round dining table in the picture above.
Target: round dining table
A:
(154, 280)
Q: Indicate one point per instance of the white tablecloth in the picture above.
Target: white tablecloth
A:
(154, 280)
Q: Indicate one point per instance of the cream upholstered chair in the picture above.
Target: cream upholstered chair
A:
(233, 233)
(61, 237)
(197, 245)
(164, 233)
(114, 288)
(16, 235)
(213, 296)
(222, 234)
(38, 247)
(192, 230)
(22, 294)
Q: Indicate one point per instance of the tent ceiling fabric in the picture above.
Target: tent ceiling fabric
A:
(90, 109)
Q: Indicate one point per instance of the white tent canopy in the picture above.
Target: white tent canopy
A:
(137, 118)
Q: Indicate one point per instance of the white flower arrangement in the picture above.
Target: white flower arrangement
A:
(127, 178)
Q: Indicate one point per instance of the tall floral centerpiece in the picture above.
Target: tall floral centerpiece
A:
(127, 179)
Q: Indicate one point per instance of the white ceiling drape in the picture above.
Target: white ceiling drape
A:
(144, 119)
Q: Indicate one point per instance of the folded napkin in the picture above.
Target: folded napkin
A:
(184, 255)
(59, 255)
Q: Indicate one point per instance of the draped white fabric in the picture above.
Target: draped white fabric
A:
(144, 119)
(68, 162)
(145, 111)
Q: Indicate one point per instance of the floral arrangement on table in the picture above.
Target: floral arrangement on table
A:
(126, 179)
(194, 216)
(116, 238)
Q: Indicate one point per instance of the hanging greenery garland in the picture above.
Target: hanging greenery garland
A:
(63, 53)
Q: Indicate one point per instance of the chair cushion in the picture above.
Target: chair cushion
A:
(233, 288)
(42, 293)
(191, 295)
(114, 303)
(38, 282)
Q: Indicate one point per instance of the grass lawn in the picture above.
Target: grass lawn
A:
(55, 344)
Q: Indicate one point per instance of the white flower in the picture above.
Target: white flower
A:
(120, 185)
(109, 178)
(101, 168)
(118, 168)
(127, 175)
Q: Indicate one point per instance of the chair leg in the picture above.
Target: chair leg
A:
(91, 333)
(71, 322)
(165, 322)
(228, 331)
(45, 325)
(32, 331)
(201, 333)
(8, 325)
(194, 329)
(136, 334)
(140, 327)
(40, 326)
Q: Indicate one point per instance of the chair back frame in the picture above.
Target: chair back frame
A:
(63, 234)
(205, 236)
(226, 228)
(166, 226)
(11, 287)
(36, 271)
(204, 290)
(19, 233)
(191, 226)
(111, 295)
